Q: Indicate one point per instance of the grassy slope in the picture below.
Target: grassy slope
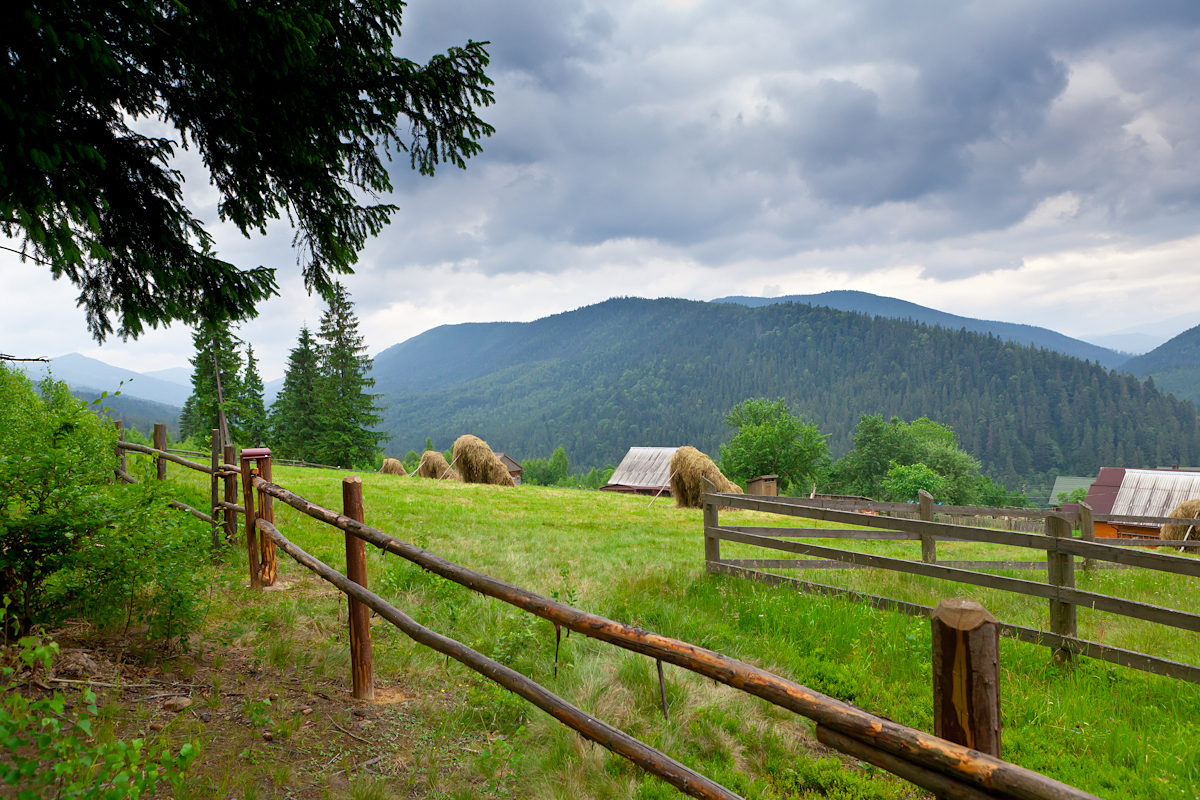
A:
(1112, 731)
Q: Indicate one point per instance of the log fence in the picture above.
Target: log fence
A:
(1057, 542)
(958, 770)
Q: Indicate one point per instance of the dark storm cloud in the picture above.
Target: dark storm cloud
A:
(730, 131)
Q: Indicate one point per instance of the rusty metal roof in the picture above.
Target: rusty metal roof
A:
(645, 467)
(1155, 492)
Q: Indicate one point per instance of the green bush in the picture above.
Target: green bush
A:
(55, 461)
(49, 751)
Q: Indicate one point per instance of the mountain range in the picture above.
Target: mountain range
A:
(629, 372)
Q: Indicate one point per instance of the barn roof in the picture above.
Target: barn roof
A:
(1068, 484)
(510, 463)
(646, 467)
(1142, 492)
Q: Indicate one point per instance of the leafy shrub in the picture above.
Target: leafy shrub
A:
(48, 751)
(55, 460)
(904, 481)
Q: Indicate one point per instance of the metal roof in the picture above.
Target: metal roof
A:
(1155, 492)
(1068, 484)
(644, 466)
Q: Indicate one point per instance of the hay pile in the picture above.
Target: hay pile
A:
(433, 465)
(478, 463)
(1189, 508)
(688, 469)
(393, 467)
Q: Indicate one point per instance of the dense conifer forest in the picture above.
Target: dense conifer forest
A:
(665, 372)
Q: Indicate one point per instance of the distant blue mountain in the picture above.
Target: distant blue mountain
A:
(83, 373)
(890, 307)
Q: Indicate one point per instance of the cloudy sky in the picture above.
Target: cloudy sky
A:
(1034, 162)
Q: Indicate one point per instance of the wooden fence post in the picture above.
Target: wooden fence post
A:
(928, 540)
(269, 566)
(361, 672)
(250, 516)
(160, 443)
(1060, 571)
(712, 545)
(966, 675)
(1087, 532)
(230, 497)
(120, 451)
(214, 487)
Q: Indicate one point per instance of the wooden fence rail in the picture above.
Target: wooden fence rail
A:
(1059, 589)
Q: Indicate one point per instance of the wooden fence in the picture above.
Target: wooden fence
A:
(1057, 542)
(948, 769)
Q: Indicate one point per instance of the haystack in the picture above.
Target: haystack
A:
(1188, 508)
(433, 465)
(688, 469)
(478, 463)
(393, 467)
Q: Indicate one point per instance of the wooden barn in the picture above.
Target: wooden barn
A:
(1139, 493)
(643, 470)
(513, 466)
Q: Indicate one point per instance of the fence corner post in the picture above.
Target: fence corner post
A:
(160, 443)
(1060, 572)
(928, 540)
(966, 675)
(1087, 532)
(214, 487)
(251, 517)
(361, 671)
(230, 496)
(261, 553)
(712, 545)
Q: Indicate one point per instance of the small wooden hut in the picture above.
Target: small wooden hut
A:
(643, 470)
(513, 466)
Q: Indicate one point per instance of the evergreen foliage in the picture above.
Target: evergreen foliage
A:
(346, 414)
(664, 372)
(771, 441)
(291, 106)
(294, 421)
(254, 415)
(216, 354)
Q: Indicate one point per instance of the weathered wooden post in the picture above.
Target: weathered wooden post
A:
(230, 497)
(1060, 572)
(361, 673)
(1087, 532)
(160, 443)
(966, 675)
(121, 466)
(214, 486)
(712, 545)
(928, 540)
(264, 570)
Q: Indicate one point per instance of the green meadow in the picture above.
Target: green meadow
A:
(1110, 730)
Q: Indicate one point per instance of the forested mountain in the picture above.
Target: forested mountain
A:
(664, 372)
(1174, 365)
(875, 305)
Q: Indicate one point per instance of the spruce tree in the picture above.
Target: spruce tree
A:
(216, 354)
(347, 414)
(294, 426)
(254, 415)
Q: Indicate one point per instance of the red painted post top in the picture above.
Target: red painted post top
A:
(252, 453)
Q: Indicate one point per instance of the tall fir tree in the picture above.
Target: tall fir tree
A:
(254, 413)
(216, 354)
(294, 423)
(347, 413)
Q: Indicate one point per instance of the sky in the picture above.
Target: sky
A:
(1034, 162)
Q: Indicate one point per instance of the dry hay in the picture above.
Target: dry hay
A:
(393, 467)
(433, 465)
(688, 469)
(478, 464)
(1188, 508)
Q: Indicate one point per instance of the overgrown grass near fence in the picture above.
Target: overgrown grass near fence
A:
(1109, 730)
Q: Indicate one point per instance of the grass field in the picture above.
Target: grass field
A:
(1109, 730)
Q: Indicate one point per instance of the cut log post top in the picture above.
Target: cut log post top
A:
(966, 675)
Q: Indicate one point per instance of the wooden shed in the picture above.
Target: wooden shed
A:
(766, 485)
(643, 470)
(513, 466)
(1139, 493)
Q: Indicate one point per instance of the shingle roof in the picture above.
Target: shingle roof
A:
(645, 467)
